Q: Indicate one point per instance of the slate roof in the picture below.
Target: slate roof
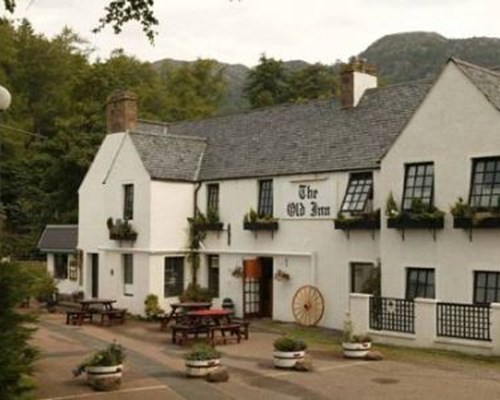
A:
(311, 137)
(168, 157)
(486, 80)
(59, 238)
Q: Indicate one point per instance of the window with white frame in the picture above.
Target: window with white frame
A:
(173, 276)
(128, 274)
(485, 187)
(420, 283)
(265, 207)
(419, 184)
(213, 274)
(486, 287)
(361, 273)
(128, 202)
(359, 193)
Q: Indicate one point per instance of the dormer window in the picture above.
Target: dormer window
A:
(359, 193)
(128, 202)
(485, 189)
(419, 184)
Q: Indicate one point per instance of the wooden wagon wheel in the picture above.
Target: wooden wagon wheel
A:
(308, 305)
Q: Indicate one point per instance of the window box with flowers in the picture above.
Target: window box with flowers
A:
(254, 222)
(419, 216)
(358, 221)
(121, 230)
(467, 217)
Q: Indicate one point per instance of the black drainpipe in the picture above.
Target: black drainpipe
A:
(195, 201)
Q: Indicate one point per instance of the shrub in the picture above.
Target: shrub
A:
(196, 293)
(202, 352)
(287, 343)
(112, 355)
(17, 355)
(151, 306)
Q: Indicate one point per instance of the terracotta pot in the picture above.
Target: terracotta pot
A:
(287, 359)
(356, 350)
(196, 368)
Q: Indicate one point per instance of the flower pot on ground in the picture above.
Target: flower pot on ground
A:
(201, 360)
(354, 346)
(103, 368)
(287, 351)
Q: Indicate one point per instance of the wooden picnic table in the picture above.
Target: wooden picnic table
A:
(178, 309)
(89, 307)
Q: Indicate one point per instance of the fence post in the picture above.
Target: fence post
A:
(425, 321)
(359, 309)
(495, 327)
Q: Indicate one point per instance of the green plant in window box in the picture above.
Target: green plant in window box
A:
(254, 221)
(364, 220)
(121, 230)
(420, 215)
(466, 216)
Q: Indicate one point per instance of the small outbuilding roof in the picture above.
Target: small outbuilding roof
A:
(59, 239)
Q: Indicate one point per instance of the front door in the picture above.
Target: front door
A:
(258, 287)
(95, 274)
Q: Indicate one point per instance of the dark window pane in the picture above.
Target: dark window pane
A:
(212, 198)
(486, 287)
(359, 191)
(485, 183)
(213, 275)
(128, 202)
(60, 266)
(420, 283)
(173, 276)
(265, 207)
(419, 184)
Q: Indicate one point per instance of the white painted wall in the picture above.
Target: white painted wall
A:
(64, 286)
(454, 124)
(309, 248)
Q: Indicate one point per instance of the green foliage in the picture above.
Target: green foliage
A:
(461, 209)
(202, 352)
(195, 293)
(58, 93)
(196, 235)
(17, 355)
(288, 343)
(151, 306)
(112, 355)
(391, 208)
(252, 217)
(372, 284)
(348, 333)
(271, 82)
(212, 216)
(121, 230)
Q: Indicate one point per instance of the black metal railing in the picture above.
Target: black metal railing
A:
(390, 314)
(464, 321)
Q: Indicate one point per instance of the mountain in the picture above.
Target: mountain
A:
(399, 57)
(416, 55)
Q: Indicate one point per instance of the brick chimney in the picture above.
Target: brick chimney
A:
(121, 111)
(355, 78)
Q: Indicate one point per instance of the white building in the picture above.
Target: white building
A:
(302, 163)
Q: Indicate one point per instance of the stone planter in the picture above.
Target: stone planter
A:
(104, 378)
(196, 368)
(287, 359)
(356, 350)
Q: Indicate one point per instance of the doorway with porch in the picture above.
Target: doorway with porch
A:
(258, 287)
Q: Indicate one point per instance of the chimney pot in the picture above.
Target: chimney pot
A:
(121, 111)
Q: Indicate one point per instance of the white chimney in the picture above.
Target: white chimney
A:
(355, 78)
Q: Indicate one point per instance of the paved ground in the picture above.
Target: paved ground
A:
(155, 370)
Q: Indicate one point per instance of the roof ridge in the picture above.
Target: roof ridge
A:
(169, 135)
(478, 67)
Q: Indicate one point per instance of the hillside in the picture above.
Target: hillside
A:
(399, 57)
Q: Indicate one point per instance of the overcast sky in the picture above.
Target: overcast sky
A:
(239, 31)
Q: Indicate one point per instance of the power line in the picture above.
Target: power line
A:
(11, 128)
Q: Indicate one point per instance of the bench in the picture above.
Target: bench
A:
(78, 317)
(185, 331)
(233, 329)
(244, 324)
(113, 315)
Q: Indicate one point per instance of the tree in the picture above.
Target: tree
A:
(315, 81)
(118, 13)
(267, 83)
(17, 355)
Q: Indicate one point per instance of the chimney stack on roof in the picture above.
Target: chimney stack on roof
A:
(121, 111)
(356, 77)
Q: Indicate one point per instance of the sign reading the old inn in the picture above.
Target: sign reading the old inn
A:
(310, 200)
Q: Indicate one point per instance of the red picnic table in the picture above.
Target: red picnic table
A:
(178, 309)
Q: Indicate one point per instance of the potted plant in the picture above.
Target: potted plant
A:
(255, 222)
(287, 351)
(103, 368)
(201, 360)
(354, 346)
(282, 276)
(121, 230)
